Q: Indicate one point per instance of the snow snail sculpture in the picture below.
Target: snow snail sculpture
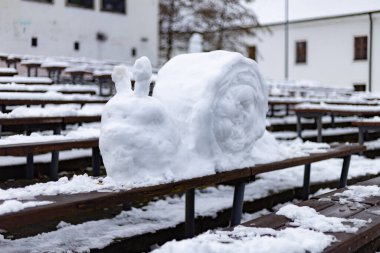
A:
(206, 113)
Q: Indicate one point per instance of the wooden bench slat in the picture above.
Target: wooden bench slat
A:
(45, 147)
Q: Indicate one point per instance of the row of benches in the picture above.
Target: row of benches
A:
(78, 207)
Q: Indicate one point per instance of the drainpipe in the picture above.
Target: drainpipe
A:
(370, 52)
(286, 40)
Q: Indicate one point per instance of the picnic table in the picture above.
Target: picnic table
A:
(30, 65)
(317, 112)
(288, 103)
(8, 71)
(28, 102)
(56, 123)
(364, 240)
(79, 206)
(31, 149)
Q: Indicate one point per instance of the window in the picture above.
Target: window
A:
(360, 48)
(41, 1)
(301, 49)
(118, 6)
(134, 52)
(252, 52)
(34, 42)
(76, 46)
(88, 4)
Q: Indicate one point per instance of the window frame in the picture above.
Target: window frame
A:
(40, 1)
(102, 9)
(254, 48)
(80, 6)
(298, 58)
(361, 49)
(34, 42)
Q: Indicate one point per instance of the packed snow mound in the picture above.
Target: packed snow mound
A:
(207, 112)
(219, 102)
(137, 139)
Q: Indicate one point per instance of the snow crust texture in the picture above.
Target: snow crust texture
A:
(207, 111)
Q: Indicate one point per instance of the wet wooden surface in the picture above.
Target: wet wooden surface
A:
(328, 205)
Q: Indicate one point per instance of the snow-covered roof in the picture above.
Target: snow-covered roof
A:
(273, 11)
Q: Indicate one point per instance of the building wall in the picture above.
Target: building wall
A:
(330, 51)
(58, 26)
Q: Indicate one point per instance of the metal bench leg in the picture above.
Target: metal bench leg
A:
(306, 182)
(29, 69)
(237, 207)
(287, 110)
(190, 213)
(332, 121)
(96, 161)
(361, 138)
(319, 127)
(54, 165)
(29, 166)
(299, 127)
(344, 174)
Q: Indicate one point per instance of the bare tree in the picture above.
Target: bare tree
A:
(223, 23)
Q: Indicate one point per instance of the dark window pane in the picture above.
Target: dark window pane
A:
(252, 52)
(41, 1)
(81, 3)
(76, 46)
(118, 6)
(34, 42)
(301, 48)
(360, 48)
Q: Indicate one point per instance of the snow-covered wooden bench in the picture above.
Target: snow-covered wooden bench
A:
(366, 239)
(26, 80)
(289, 102)
(317, 111)
(29, 124)
(30, 65)
(31, 149)
(79, 207)
(8, 71)
(35, 101)
(364, 126)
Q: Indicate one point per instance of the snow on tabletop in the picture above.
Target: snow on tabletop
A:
(197, 123)
(55, 111)
(24, 79)
(324, 106)
(52, 64)
(50, 95)
(82, 132)
(55, 87)
(359, 192)
(306, 217)
(255, 240)
(8, 70)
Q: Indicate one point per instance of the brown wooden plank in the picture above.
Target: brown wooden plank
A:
(30, 120)
(81, 119)
(45, 147)
(50, 101)
(351, 242)
(339, 151)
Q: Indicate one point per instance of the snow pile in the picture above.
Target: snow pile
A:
(359, 192)
(10, 206)
(258, 240)
(198, 122)
(8, 70)
(195, 43)
(306, 217)
(138, 139)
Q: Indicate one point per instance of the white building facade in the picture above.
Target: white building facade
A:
(100, 29)
(338, 50)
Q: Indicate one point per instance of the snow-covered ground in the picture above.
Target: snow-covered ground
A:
(164, 213)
